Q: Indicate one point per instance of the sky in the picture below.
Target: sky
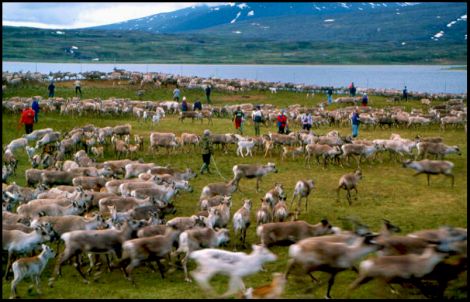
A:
(68, 15)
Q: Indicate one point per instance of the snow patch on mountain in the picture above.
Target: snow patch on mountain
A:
(329, 20)
(242, 6)
(250, 13)
(234, 20)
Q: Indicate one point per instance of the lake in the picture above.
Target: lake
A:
(417, 78)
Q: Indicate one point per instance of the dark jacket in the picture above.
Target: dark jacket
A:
(197, 106)
(184, 106)
(355, 119)
(208, 90)
(51, 87)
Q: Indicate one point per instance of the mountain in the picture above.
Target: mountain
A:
(313, 21)
(261, 33)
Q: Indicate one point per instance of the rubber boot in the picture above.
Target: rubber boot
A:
(204, 165)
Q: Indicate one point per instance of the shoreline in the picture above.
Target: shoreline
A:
(196, 82)
(457, 66)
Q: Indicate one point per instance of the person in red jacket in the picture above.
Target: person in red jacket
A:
(27, 118)
(282, 122)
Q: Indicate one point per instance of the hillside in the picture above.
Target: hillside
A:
(261, 33)
(317, 21)
(80, 46)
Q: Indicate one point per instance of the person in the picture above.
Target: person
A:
(405, 94)
(27, 118)
(35, 107)
(330, 95)
(307, 121)
(197, 105)
(184, 105)
(77, 87)
(257, 119)
(355, 123)
(281, 121)
(208, 94)
(238, 116)
(51, 89)
(352, 89)
(365, 99)
(176, 94)
(206, 146)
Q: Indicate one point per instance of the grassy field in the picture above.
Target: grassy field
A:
(386, 191)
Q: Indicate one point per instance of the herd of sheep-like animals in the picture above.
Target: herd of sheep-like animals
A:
(67, 190)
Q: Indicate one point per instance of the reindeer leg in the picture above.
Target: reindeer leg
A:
(428, 178)
(37, 280)
(77, 267)
(7, 270)
(337, 193)
(306, 204)
(292, 201)
(236, 284)
(185, 268)
(331, 281)
(161, 268)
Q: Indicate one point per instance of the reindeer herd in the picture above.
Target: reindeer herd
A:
(118, 208)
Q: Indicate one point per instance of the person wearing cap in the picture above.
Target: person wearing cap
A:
(282, 121)
(365, 99)
(184, 105)
(238, 116)
(257, 119)
(51, 89)
(355, 122)
(35, 107)
(206, 146)
(27, 118)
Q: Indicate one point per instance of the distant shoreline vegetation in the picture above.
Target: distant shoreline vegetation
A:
(458, 68)
(222, 63)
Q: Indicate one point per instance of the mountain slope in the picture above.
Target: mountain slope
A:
(317, 21)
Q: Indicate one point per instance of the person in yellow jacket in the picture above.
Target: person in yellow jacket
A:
(206, 146)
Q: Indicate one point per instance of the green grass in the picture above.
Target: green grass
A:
(386, 191)
(43, 45)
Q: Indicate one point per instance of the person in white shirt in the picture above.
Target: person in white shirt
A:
(307, 121)
(257, 119)
(77, 88)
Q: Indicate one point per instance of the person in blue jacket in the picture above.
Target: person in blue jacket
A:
(355, 123)
(35, 107)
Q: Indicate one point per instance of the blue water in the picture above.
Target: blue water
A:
(417, 78)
